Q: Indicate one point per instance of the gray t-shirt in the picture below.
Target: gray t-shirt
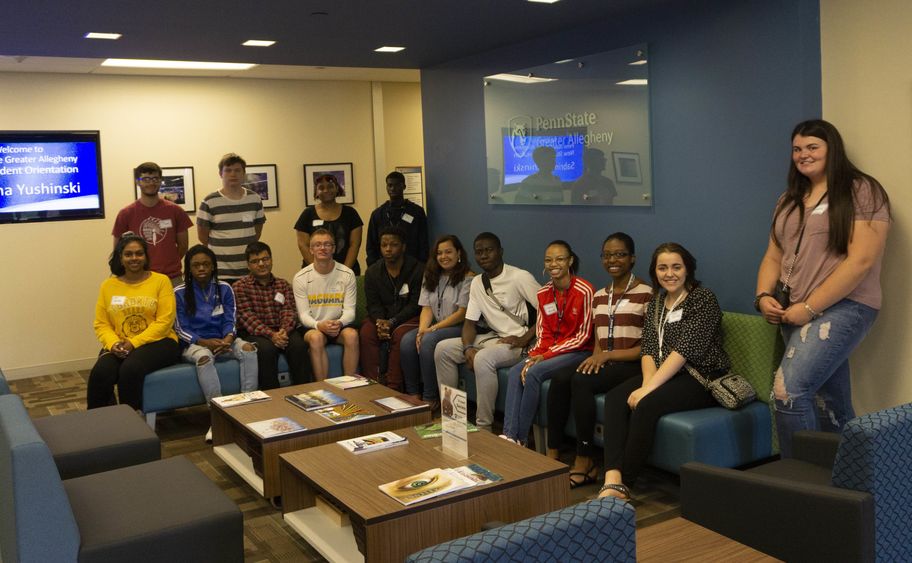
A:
(815, 262)
(445, 299)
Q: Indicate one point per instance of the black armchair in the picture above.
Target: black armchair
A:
(841, 498)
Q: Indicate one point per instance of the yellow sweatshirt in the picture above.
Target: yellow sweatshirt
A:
(140, 312)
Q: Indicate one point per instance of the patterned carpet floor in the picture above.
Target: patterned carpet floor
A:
(266, 536)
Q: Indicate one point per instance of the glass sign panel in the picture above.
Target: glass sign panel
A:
(572, 132)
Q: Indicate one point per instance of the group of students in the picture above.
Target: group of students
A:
(634, 340)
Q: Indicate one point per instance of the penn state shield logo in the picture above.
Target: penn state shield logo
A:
(520, 135)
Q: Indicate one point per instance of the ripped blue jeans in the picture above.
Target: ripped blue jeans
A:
(811, 388)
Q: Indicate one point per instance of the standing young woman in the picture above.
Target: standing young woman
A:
(134, 321)
(564, 332)
(341, 220)
(683, 325)
(443, 300)
(618, 311)
(825, 248)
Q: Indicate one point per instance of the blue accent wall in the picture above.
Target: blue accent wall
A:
(728, 81)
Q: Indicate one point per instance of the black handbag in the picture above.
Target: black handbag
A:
(731, 391)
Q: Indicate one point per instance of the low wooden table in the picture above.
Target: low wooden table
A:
(256, 459)
(381, 528)
(679, 539)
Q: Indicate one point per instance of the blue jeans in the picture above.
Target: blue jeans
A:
(522, 399)
(207, 374)
(418, 368)
(811, 389)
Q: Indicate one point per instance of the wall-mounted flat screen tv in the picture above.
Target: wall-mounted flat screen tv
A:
(50, 176)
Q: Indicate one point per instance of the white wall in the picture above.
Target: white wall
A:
(52, 270)
(866, 60)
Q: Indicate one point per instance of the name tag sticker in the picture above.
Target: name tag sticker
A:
(675, 315)
(407, 218)
(118, 300)
(317, 222)
(550, 308)
(280, 298)
(404, 290)
(165, 223)
(623, 303)
(820, 209)
(218, 310)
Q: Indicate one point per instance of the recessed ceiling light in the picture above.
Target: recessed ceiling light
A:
(258, 43)
(637, 63)
(634, 82)
(99, 35)
(563, 61)
(386, 49)
(186, 65)
(521, 78)
(545, 1)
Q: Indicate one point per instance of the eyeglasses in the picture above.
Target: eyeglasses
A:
(607, 255)
(323, 245)
(149, 179)
(256, 261)
(557, 259)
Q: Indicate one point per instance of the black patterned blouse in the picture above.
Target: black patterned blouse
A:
(697, 335)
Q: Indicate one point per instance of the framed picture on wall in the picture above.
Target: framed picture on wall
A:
(627, 167)
(342, 171)
(177, 187)
(263, 179)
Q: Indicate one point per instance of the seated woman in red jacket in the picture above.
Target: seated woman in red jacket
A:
(564, 332)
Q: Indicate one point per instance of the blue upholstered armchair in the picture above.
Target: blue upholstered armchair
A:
(599, 530)
(842, 497)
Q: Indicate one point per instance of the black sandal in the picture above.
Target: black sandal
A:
(588, 478)
(616, 487)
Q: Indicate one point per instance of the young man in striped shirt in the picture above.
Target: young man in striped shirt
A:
(231, 218)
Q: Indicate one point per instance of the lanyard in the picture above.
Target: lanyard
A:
(660, 329)
(441, 290)
(613, 307)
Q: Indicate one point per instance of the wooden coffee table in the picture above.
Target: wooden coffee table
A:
(382, 529)
(256, 459)
(682, 540)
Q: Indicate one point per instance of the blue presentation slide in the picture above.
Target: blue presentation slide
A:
(48, 176)
(518, 161)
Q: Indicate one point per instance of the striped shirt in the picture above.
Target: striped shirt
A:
(628, 317)
(232, 226)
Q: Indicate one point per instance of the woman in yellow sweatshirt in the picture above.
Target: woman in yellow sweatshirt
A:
(134, 321)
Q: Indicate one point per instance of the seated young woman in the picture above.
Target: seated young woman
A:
(134, 321)
(443, 300)
(564, 331)
(683, 325)
(617, 315)
(206, 324)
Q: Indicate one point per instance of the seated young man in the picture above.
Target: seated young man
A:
(267, 317)
(205, 325)
(325, 294)
(392, 287)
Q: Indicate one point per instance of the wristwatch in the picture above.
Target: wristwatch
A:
(758, 298)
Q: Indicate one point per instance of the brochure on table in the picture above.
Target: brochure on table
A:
(454, 416)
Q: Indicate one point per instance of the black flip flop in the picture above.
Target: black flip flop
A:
(587, 480)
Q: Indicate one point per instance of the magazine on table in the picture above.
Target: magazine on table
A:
(429, 484)
(435, 429)
(340, 414)
(478, 474)
(313, 400)
(275, 427)
(399, 403)
(348, 381)
(240, 399)
(373, 442)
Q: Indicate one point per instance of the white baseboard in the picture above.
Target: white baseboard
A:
(48, 369)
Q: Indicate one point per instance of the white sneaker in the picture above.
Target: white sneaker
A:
(209, 436)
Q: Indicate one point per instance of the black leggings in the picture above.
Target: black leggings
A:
(629, 435)
(571, 389)
(128, 373)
